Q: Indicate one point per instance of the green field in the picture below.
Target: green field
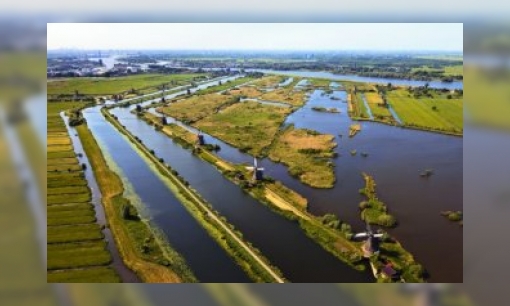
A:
(435, 114)
(196, 107)
(116, 85)
(75, 240)
(249, 126)
(90, 275)
(453, 70)
(379, 111)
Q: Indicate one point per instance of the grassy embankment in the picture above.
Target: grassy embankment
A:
(374, 211)
(287, 94)
(76, 246)
(355, 106)
(140, 248)
(307, 154)
(246, 255)
(333, 235)
(249, 126)
(436, 113)
(224, 85)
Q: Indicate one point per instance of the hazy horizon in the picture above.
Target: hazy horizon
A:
(258, 37)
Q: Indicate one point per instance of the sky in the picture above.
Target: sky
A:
(257, 36)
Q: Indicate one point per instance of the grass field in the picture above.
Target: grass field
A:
(379, 111)
(435, 114)
(249, 126)
(287, 94)
(307, 154)
(269, 81)
(116, 85)
(196, 107)
(446, 71)
(246, 92)
(75, 240)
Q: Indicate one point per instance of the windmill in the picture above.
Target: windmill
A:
(258, 173)
(200, 139)
(371, 245)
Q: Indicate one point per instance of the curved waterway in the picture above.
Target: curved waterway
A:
(396, 157)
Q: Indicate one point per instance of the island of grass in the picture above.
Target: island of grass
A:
(287, 95)
(249, 126)
(325, 110)
(454, 216)
(373, 210)
(196, 107)
(308, 155)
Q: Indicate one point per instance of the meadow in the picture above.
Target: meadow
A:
(287, 94)
(249, 126)
(75, 240)
(307, 154)
(379, 111)
(117, 85)
(435, 114)
(196, 107)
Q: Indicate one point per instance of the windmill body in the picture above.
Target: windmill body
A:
(258, 172)
(371, 245)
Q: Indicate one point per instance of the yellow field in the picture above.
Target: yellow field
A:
(306, 153)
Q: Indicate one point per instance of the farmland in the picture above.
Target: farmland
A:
(117, 85)
(437, 113)
(249, 126)
(308, 154)
(75, 240)
(379, 111)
